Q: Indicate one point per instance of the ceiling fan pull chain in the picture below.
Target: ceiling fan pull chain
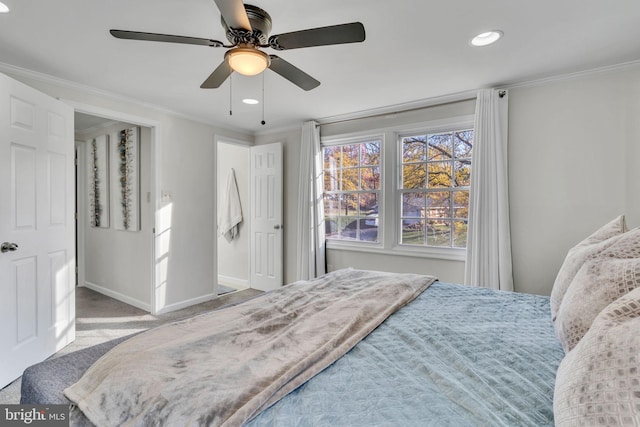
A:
(231, 95)
(263, 122)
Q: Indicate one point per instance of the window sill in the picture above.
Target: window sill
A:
(449, 254)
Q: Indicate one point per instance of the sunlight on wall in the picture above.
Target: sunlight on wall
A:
(163, 250)
(62, 299)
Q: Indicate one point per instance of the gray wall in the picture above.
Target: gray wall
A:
(574, 164)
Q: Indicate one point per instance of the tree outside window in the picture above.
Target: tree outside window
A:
(434, 192)
(351, 191)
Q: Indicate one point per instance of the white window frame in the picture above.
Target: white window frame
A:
(359, 244)
(389, 206)
(439, 251)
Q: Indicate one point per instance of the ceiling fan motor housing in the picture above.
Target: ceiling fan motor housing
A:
(260, 22)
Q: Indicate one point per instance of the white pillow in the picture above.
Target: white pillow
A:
(601, 280)
(598, 382)
(586, 249)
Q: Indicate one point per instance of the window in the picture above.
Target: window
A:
(352, 190)
(434, 188)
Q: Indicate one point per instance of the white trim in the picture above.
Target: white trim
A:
(356, 139)
(118, 296)
(114, 115)
(449, 254)
(574, 75)
(81, 218)
(186, 303)
(363, 114)
(444, 125)
(156, 131)
(399, 108)
(433, 126)
(35, 75)
(389, 207)
(461, 96)
(352, 139)
(233, 281)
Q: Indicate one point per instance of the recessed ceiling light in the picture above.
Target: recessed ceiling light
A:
(250, 101)
(4, 8)
(487, 38)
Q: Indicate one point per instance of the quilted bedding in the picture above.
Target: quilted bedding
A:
(455, 356)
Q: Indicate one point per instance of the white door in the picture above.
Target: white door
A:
(266, 216)
(37, 259)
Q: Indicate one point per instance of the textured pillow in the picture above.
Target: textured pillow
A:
(592, 245)
(598, 382)
(601, 280)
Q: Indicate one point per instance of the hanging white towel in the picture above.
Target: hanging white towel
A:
(230, 210)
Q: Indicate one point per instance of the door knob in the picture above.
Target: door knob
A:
(8, 247)
(278, 227)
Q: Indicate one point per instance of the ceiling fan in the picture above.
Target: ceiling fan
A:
(247, 29)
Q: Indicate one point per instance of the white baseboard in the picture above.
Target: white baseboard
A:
(233, 281)
(186, 303)
(117, 295)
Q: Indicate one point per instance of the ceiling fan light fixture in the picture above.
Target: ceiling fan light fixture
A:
(247, 61)
(4, 8)
(487, 38)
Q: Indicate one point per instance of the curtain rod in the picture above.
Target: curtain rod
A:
(501, 94)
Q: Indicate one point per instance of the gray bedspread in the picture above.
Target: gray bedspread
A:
(224, 367)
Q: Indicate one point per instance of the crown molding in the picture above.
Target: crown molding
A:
(574, 75)
(57, 81)
(470, 94)
(399, 108)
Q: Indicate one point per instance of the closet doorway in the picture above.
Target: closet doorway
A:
(233, 255)
(253, 258)
(115, 206)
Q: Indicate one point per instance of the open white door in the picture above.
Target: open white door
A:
(37, 229)
(266, 217)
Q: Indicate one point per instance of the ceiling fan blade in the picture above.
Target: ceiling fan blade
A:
(234, 14)
(154, 37)
(293, 73)
(322, 36)
(218, 76)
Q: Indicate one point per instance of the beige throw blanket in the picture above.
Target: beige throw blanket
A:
(226, 366)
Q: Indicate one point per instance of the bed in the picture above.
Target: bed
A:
(446, 355)
(454, 355)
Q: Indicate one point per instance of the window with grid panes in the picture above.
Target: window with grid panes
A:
(434, 188)
(352, 190)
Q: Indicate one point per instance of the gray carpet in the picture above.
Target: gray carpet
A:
(100, 319)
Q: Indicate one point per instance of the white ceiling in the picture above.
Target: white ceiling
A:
(414, 50)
